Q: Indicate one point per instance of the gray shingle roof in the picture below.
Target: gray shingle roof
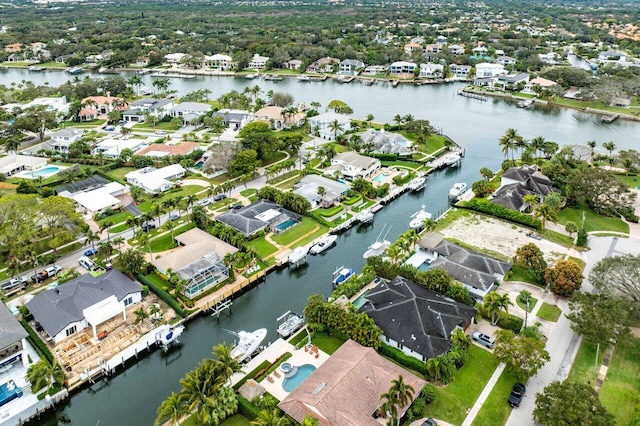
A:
(420, 319)
(10, 329)
(245, 221)
(57, 308)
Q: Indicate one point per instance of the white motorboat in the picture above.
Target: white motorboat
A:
(453, 159)
(252, 76)
(298, 256)
(365, 216)
(341, 275)
(248, 343)
(74, 70)
(323, 244)
(166, 335)
(378, 248)
(418, 218)
(457, 190)
(292, 323)
(417, 184)
(304, 78)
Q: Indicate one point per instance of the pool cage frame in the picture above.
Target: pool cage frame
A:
(209, 269)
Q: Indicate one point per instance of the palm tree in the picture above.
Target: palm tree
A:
(336, 127)
(91, 238)
(44, 375)
(125, 132)
(401, 392)
(429, 225)
(546, 212)
(369, 119)
(397, 119)
(173, 408)
(390, 406)
(495, 302)
(144, 239)
(272, 417)
(537, 144)
(106, 225)
(226, 365)
(609, 146)
(135, 81)
(170, 226)
(460, 338)
(592, 146)
(140, 314)
(509, 142)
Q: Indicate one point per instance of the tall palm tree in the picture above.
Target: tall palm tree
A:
(496, 302)
(537, 144)
(44, 375)
(106, 225)
(403, 392)
(173, 408)
(592, 147)
(272, 417)
(390, 406)
(336, 127)
(509, 142)
(546, 212)
(609, 146)
(91, 238)
(226, 365)
(135, 81)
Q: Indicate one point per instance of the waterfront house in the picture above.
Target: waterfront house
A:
(352, 165)
(234, 118)
(175, 58)
(112, 148)
(16, 163)
(506, 61)
(476, 271)
(156, 181)
(103, 105)
(346, 389)
(375, 69)
(258, 216)
(61, 139)
(460, 71)
(333, 190)
(323, 65)
(431, 70)
(160, 150)
(277, 120)
(292, 64)
(156, 107)
(57, 105)
(511, 81)
(538, 84)
(350, 66)
(402, 67)
(189, 111)
(258, 62)
(518, 182)
(417, 321)
(83, 302)
(487, 70)
(383, 142)
(456, 49)
(13, 48)
(199, 261)
(12, 339)
(218, 62)
(323, 124)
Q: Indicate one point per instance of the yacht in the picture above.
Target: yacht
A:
(298, 256)
(252, 76)
(365, 216)
(167, 335)
(417, 184)
(74, 70)
(248, 343)
(378, 248)
(323, 244)
(457, 190)
(418, 218)
(292, 323)
(304, 78)
(341, 275)
(525, 104)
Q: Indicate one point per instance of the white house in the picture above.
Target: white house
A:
(112, 148)
(61, 139)
(323, 124)
(174, 58)
(99, 199)
(86, 301)
(14, 163)
(58, 105)
(353, 165)
(460, 71)
(456, 49)
(350, 66)
(506, 60)
(612, 56)
(375, 69)
(155, 181)
(487, 70)
(258, 62)
(189, 111)
(218, 61)
(431, 70)
(402, 67)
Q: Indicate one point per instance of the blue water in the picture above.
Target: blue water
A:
(380, 177)
(47, 171)
(199, 164)
(423, 267)
(294, 381)
(286, 225)
(361, 300)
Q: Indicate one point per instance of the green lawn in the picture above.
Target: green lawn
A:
(519, 273)
(495, 409)
(160, 125)
(287, 237)
(459, 396)
(532, 303)
(235, 420)
(631, 181)
(247, 192)
(326, 343)
(621, 389)
(154, 278)
(583, 368)
(120, 172)
(277, 156)
(263, 247)
(549, 312)
(401, 164)
(306, 240)
(91, 124)
(118, 217)
(593, 221)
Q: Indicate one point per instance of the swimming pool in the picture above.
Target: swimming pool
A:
(300, 373)
(45, 172)
(360, 301)
(285, 225)
(423, 267)
(380, 177)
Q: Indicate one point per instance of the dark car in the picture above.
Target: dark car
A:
(92, 251)
(174, 216)
(429, 422)
(517, 394)
(235, 206)
(219, 197)
(40, 276)
(147, 226)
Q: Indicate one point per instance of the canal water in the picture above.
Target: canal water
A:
(133, 395)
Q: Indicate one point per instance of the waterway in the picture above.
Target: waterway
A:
(133, 395)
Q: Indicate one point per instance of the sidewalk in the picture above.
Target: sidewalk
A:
(483, 396)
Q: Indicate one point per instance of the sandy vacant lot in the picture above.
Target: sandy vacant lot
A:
(500, 238)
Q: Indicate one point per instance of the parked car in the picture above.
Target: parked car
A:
(534, 235)
(174, 216)
(92, 251)
(219, 197)
(484, 340)
(203, 202)
(147, 226)
(53, 270)
(110, 128)
(517, 394)
(14, 284)
(235, 206)
(161, 132)
(429, 422)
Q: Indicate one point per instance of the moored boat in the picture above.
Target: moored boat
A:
(378, 248)
(248, 343)
(365, 216)
(323, 244)
(457, 190)
(417, 184)
(298, 256)
(418, 218)
(166, 336)
(341, 275)
(292, 323)
(304, 78)
(74, 70)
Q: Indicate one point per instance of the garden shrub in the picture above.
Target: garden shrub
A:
(37, 342)
(247, 408)
(163, 295)
(510, 322)
(485, 206)
(403, 359)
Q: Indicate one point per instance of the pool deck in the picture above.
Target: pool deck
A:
(271, 353)
(28, 174)
(419, 258)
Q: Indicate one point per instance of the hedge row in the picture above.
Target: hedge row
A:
(485, 206)
(316, 216)
(37, 342)
(331, 212)
(162, 294)
(247, 408)
(264, 364)
(403, 359)
(384, 157)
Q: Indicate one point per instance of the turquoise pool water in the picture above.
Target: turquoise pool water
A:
(285, 225)
(45, 172)
(199, 164)
(423, 267)
(380, 177)
(361, 300)
(304, 371)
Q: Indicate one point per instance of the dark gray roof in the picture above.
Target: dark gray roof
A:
(11, 330)
(245, 221)
(513, 78)
(143, 102)
(232, 116)
(420, 319)
(57, 308)
(530, 182)
(161, 103)
(511, 196)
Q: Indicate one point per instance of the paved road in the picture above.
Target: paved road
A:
(563, 342)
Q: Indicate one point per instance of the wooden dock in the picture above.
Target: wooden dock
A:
(473, 96)
(609, 118)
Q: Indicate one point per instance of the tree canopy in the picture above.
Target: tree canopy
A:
(570, 403)
(618, 275)
(524, 356)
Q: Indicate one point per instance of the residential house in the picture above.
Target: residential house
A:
(409, 48)
(384, 142)
(350, 66)
(61, 139)
(160, 150)
(105, 104)
(234, 118)
(375, 69)
(112, 147)
(95, 194)
(260, 215)
(58, 105)
(134, 115)
(175, 58)
(324, 124)
(15, 163)
(434, 48)
(402, 67)
(189, 111)
(293, 64)
(460, 71)
(199, 261)
(13, 48)
(480, 50)
(258, 62)
(156, 181)
(431, 70)
(323, 65)
(506, 61)
(352, 165)
(413, 319)
(538, 84)
(333, 190)
(278, 117)
(511, 81)
(12, 339)
(218, 62)
(156, 107)
(346, 388)
(476, 271)
(86, 301)
(487, 70)
(612, 56)
(518, 182)
(456, 49)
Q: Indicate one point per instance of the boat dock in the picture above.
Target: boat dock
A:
(609, 118)
(345, 80)
(453, 159)
(473, 96)
(525, 104)
(318, 77)
(171, 75)
(394, 194)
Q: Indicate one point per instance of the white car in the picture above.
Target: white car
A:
(203, 202)
(484, 340)
(161, 132)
